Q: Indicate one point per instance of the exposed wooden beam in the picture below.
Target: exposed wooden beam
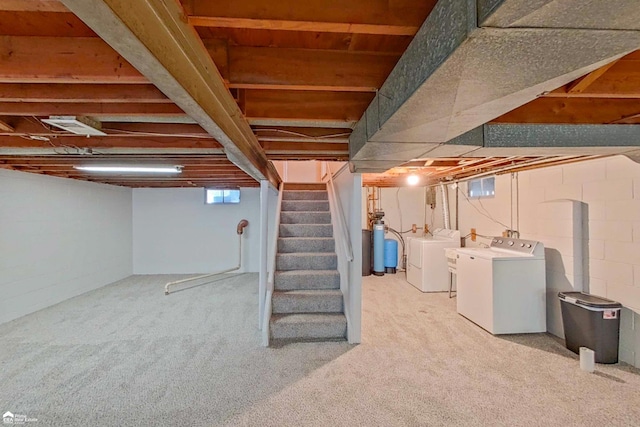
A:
(630, 119)
(6, 127)
(117, 93)
(622, 80)
(33, 6)
(313, 26)
(153, 35)
(308, 69)
(572, 111)
(97, 142)
(63, 60)
(31, 126)
(332, 106)
(302, 147)
(328, 134)
(42, 24)
(349, 16)
(111, 109)
(583, 83)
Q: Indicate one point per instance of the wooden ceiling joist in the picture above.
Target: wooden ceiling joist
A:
(350, 16)
(334, 106)
(78, 93)
(307, 69)
(317, 27)
(90, 60)
(32, 126)
(302, 147)
(33, 6)
(153, 35)
(63, 60)
(98, 142)
(6, 127)
(583, 83)
(93, 108)
(573, 111)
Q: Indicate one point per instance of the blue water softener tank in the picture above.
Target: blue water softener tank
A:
(390, 256)
(378, 248)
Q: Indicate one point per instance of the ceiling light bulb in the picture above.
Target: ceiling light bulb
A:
(413, 179)
(131, 169)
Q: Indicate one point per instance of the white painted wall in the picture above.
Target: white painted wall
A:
(174, 232)
(299, 171)
(348, 187)
(59, 238)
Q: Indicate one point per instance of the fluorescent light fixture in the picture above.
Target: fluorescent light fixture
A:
(131, 169)
(413, 179)
(78, 125)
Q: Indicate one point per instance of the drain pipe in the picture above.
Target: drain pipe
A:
(240, 230)
(445, 206)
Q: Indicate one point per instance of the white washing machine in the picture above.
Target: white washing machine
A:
(427, 267)
(503, 288)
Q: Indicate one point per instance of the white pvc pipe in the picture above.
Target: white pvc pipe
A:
(177, 282)
(445, 206)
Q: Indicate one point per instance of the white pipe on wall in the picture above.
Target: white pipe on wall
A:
(240, 230)
(445, 206)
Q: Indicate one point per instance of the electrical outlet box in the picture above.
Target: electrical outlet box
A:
(473, 235)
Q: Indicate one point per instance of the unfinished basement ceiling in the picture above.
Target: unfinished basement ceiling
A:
(300, 77)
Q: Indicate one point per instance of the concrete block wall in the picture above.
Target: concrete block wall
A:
(609, 193)
(59, 238)
(559, 225)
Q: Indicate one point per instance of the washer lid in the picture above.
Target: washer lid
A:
(587, 300)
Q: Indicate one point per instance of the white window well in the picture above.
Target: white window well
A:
(482, 187)
(214, 196)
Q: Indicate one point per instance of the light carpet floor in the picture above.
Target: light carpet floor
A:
(126, 354)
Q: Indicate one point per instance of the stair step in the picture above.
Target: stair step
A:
(307, 301)
(306, 230)
(305, 205)
(306, 261)
(305, 195)
(300, 217)
(306, 244)
(308, 327)
(305, 186)
(306, 279)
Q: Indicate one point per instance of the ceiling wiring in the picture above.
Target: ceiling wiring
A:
(485, 213)
(302, 135)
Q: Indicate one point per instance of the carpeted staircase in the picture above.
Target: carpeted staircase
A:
(307, 303)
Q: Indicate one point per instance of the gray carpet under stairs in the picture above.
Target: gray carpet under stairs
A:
(307, 301)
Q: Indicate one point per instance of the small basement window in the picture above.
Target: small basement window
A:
(482, 187)
(214, 196)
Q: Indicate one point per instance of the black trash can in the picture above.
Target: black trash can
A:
(367, 259)
(592, 322)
